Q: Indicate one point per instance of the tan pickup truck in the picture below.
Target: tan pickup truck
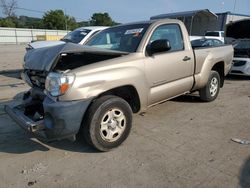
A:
(95, 89)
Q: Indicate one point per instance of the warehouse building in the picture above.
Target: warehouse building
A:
(200, 21)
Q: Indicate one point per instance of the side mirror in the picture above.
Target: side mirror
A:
(162, 45)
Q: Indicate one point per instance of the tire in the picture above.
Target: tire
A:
(108, 123)
(211, 90)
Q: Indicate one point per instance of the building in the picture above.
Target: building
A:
(200, 21)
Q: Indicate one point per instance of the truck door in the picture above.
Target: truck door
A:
(169, 73)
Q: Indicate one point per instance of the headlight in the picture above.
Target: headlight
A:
(58, 84)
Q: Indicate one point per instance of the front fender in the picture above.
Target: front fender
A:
(94, 84)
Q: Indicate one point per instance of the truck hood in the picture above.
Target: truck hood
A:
(43, 59)
(42, 44)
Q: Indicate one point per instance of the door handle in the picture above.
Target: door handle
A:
(186, 58)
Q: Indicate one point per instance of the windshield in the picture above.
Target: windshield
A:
(212, 34)
(76, 36)
(243, 44)
(121, 38)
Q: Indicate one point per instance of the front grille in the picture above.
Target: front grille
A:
(37, 78)
(236, 72)
(242, 53)
(238, 63)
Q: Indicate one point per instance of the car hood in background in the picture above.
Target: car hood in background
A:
(42, 59)
(238, 29)
(42, 44)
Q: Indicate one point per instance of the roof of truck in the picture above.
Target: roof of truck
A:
(148, 22)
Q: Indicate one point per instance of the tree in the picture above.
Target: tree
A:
(56, 19)
(9, 7)
(101, 19)
(29, 22)
(6, 22)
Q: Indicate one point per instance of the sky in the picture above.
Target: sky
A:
(123, 11)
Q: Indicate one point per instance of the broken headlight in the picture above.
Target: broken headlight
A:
(58, 84)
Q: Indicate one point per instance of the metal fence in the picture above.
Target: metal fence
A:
(20, 35)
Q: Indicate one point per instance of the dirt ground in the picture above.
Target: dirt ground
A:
(181, 143)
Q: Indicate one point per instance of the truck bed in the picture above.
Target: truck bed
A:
(206, 57)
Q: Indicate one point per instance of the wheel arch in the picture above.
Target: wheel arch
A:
(220, 67)
(128, 93)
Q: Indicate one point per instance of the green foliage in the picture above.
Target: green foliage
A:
(29, 22)
(56, 19)
(71, 23)
(83, 24)
(7, 22)
(101, 19)
(22, 22)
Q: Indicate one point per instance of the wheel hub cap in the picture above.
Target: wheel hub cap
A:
(112, 125)
(214, 87)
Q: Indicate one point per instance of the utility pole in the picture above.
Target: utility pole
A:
(235, 2)
(66, 22)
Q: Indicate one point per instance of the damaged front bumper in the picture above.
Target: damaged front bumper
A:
(16, 113)
(60, 119)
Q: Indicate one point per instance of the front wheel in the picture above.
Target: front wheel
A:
(108, 122)
(212, 88)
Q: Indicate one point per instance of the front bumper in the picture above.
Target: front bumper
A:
(16, 113)
(60, 120)
(241, 66)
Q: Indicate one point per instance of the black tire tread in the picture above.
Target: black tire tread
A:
(90, 115)
(204, 92)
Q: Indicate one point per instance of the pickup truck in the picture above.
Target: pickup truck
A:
(93, 90)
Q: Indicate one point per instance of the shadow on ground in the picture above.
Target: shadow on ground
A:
(237, 77)
(12, 74)
(245, 174)
(17, 141)
(188, 99)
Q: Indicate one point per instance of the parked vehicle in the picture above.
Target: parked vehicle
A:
(206, 42)
(238, 33)
(195, 37)
(215, 34)
(95, 89)
(241, 61)
(78, 36)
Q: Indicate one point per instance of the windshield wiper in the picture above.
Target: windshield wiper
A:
(65, 40)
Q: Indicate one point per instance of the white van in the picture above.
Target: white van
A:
(215, 35)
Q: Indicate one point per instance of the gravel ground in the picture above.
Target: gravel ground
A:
(11, 57)
(181, 143)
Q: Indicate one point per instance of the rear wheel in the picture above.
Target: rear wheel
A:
(108, 122)
(212, 88)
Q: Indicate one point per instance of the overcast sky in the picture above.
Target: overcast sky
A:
(129, 10)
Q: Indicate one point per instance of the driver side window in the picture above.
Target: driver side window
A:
(172, 33)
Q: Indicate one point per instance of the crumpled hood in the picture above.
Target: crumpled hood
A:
(42, 59)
